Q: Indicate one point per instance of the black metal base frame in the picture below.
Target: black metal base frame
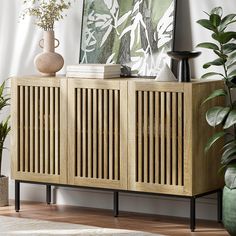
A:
(116, 199)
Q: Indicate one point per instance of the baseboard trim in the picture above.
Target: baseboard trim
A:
(139, 203)
(210, 199)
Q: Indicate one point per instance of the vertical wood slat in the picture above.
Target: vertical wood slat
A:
(26, 128)
(140, 136)
(36, 121)
(31, 116)
(46, 132)
(105, 134)
(41, 131)
(180, 134)
(51, 145)
(157, 138)
(151, 137)
(100, 143)
(145, 135)
(116, 132)
(95, 136)
(89, 118)
(84, 130)
(163, 130)
(79, 131)
(168, 138)
(111, 141)
(56, 131)
(21, 128)
(174, 139)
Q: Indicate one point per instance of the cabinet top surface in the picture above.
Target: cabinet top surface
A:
(120, 79)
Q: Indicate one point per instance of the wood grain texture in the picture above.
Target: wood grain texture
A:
(179, 122)
(104, 127)
(156, 224)
(205, 175)
(131, 134)
(39, 151)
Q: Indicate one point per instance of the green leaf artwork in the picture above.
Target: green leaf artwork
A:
(133, 33)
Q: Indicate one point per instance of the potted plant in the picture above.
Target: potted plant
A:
(47, 12)
(4, 130)
(223, 45)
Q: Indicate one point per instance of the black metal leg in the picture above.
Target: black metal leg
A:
(219, 208)
(48, 194)
(116, 204)
(17, 196)
(192, 213)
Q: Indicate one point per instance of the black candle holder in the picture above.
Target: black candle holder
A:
(184, 74)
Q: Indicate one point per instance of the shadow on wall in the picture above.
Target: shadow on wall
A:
(183, 32)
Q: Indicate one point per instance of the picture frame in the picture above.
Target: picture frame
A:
(134, 33)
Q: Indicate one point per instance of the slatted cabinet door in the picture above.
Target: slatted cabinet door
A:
(39, 129)
(97, 133)
(156, 138)
(167, 134)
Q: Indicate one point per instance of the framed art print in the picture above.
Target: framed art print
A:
(134, 33)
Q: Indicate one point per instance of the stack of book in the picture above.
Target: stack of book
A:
(95, 71)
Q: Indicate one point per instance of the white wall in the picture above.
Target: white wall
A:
(19, 45)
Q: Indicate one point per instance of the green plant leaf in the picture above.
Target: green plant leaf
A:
(224, 37)
(232, 56)
(229, 160)
(214, 94)
(207, 24)
(217, 10)
(214, 139)
(209, 74)
(231, 65)
(229, 144)
(206, 13)
(221, 55)
(232, 73)
(208, 46)
(217, 62)
(231, 59)
(222, 169)
(226, 20)
(231, 119)
(230, 176)
(216, 115)
(228, 48)
(228, 155)
(215, 19)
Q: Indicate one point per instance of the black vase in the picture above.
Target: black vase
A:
(184, 74)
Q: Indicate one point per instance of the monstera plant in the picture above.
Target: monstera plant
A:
(223, 46)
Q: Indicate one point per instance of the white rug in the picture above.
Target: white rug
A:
(19, 226)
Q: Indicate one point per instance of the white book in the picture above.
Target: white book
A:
(92, 75)
(95, 68)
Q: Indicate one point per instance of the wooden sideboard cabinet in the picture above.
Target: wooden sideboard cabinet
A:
(135, 135)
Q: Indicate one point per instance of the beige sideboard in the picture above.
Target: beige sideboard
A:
(134, 135)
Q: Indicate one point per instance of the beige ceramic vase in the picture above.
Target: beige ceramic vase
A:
(48, 62)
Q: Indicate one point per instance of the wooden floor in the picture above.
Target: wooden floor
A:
(104, 218)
